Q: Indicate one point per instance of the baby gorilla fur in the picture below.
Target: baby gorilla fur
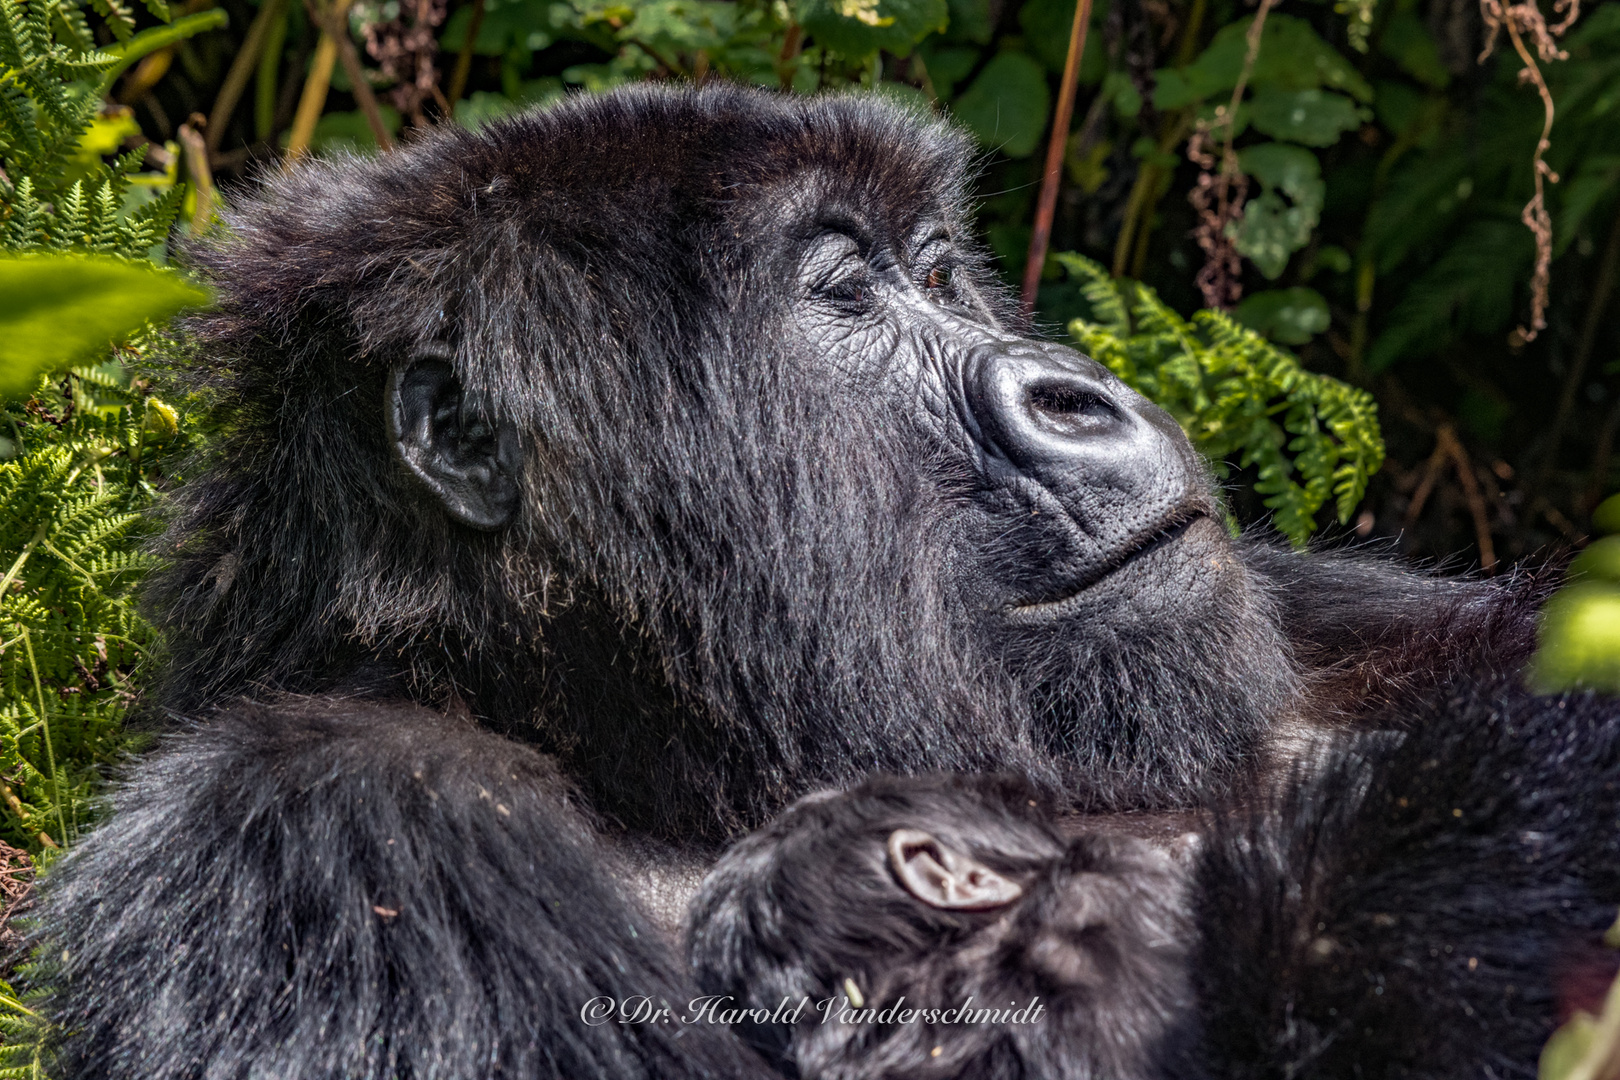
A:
(1417, 904)
(1094, 929)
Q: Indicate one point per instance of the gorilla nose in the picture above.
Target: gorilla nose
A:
(1065, 420)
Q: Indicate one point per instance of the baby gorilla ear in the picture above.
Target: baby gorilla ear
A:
(468, 462)
(945, 878)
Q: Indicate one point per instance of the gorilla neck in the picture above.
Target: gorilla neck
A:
(1152, 712)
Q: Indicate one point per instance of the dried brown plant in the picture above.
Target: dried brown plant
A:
(1217, 196)
(1524, 21)
(405, 51)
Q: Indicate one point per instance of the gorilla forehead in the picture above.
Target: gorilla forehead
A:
(674, 157)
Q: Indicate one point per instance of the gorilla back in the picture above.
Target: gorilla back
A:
(681, 436)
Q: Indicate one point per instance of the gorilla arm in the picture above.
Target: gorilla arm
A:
(341, 889)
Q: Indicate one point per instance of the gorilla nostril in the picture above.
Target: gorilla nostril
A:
(1064, 399)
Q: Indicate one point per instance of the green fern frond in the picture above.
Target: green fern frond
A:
(1242, 400)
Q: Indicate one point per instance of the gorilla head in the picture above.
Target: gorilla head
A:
(687, 433)
(936, 893)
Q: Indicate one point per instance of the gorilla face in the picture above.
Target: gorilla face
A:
(1084, 493)
(1079, 540)
(710, 456)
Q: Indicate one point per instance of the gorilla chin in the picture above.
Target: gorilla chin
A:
(1125, 690)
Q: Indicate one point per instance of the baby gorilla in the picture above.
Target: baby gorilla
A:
(938, 893)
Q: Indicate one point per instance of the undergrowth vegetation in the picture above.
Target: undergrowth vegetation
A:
(1376, 220)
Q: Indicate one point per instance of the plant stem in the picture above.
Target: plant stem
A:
(45, 733)
(458, 77)
(334, 25)
(159, 37)
(313, 100)
(236, 79)
(202, 177)
(264, 92)
(786, 61)
(1046, 207)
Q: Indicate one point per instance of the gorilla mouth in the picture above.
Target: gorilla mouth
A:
(1167, 533)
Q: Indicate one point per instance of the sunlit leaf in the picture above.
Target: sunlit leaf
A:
(858, 28)
(55, 309)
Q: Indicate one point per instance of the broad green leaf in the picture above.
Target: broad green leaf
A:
(1046, 25)
(1313, 117)
(1291, 316)
(855, 28)
(949, 66)
(1600, 560)
(971, 21)
(1118, 88)
(56, 309)
(1580, 639)
(1274, 227)
(1606, 518)
(508, 24)
(1007, 104)
(1292, 57)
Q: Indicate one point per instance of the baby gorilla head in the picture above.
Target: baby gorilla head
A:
(956, 894)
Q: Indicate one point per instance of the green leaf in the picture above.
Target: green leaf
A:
(1406, 41)
(678, 26)
(970, 21)
(856, 28)
(159, 37)
(1118, 88)
(508, 24)
(1313, 117)
(1273, 228)
(1007, 104)
(1046, 25)
(1292, 57)
(948, 66)
(1291, 316)
(1580, 639)
(62, 308)
(1600, 560)
(1606, 518)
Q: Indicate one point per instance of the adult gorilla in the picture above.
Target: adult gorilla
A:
(680, 436)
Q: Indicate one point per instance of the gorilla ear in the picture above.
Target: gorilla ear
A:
(945, 878)
(468, 462)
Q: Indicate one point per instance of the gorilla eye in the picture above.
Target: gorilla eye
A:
(1063, 400)
(939, 278)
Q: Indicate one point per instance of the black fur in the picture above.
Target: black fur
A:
(769, 490)
(397, 887)
(1428, 904)
(1098, 940)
